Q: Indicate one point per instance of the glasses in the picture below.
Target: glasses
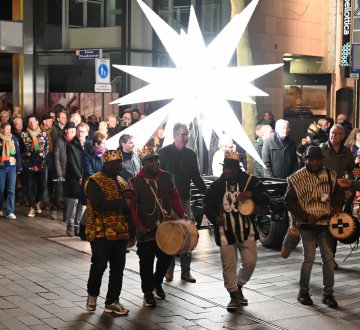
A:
(183, 134)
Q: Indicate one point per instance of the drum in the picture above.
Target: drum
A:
(248, 207)
(344, 228)
(291, 241)
(177, 236)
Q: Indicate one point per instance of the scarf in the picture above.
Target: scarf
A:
(98, 151)
(34, 135)
(8, 147)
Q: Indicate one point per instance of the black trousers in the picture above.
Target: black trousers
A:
(104, 251)
(147, 251)
(36, 185)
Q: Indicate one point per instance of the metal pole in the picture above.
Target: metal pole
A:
(356, 102)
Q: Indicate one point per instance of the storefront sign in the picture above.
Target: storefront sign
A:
(346, 42)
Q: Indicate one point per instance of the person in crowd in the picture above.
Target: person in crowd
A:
(353, 143)
(311, 214)
(60, 122)
(4, 116)
(10, 163)
(336, 155)
(17, 129)
(108, 238)
(157, 139)
(93, 162)
(279, 152)
(75, 118)
(135, 115)
(182, 162)
(113, 127)
(341, 119)
(103, 128)
(225, 143)
(126, 120)
(73, 180)
(340, 159)
(93, 124)
(267, 119)
(52, 114)
(266, 132)
(153, 185)
(60, 161)
(321, 132)
(35, 148)
(130, 159)
(233, 231)
(47, 126)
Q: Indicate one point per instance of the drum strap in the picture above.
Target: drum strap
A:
(163, 211)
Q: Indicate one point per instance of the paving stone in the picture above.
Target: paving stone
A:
(29, 320)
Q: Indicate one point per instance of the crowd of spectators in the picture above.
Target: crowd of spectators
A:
(45, 161)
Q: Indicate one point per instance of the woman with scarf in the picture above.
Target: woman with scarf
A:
(10, 163)
(35, 148)
(92, 164)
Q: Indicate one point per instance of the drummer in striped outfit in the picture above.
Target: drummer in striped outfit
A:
(312, 197)
(234, 231)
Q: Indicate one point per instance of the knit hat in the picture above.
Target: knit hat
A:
(314, 152)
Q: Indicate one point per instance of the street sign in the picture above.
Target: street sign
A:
(86, 54)
(102, 70)
(103, 88)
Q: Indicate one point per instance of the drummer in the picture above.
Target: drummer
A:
(157, 197)
(312, 197)
(233, 231)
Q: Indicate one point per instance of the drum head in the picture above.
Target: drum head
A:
(342, 226)
(246, 207)
(170, 237)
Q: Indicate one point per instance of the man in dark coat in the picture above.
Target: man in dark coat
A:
(182, 162)
(279, 152)
(234, 231)
(60, 161)
(131, 160)
(73, 180)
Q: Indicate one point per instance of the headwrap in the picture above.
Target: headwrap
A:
(8, 147)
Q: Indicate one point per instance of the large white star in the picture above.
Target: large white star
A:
(200, 83)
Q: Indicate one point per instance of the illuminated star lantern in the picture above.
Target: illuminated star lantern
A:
(199, 85)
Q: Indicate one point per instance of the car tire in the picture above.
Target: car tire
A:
(272, 228)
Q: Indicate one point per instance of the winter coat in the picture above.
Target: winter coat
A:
(74, 169)
(280, 159)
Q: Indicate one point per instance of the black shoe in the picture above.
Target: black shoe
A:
(234, 302)
(77, 231)
(149, 300)
(330, 301)
(159, 292)
(242, 300)
(304, 299)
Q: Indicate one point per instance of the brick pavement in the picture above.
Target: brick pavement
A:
(43, 286)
